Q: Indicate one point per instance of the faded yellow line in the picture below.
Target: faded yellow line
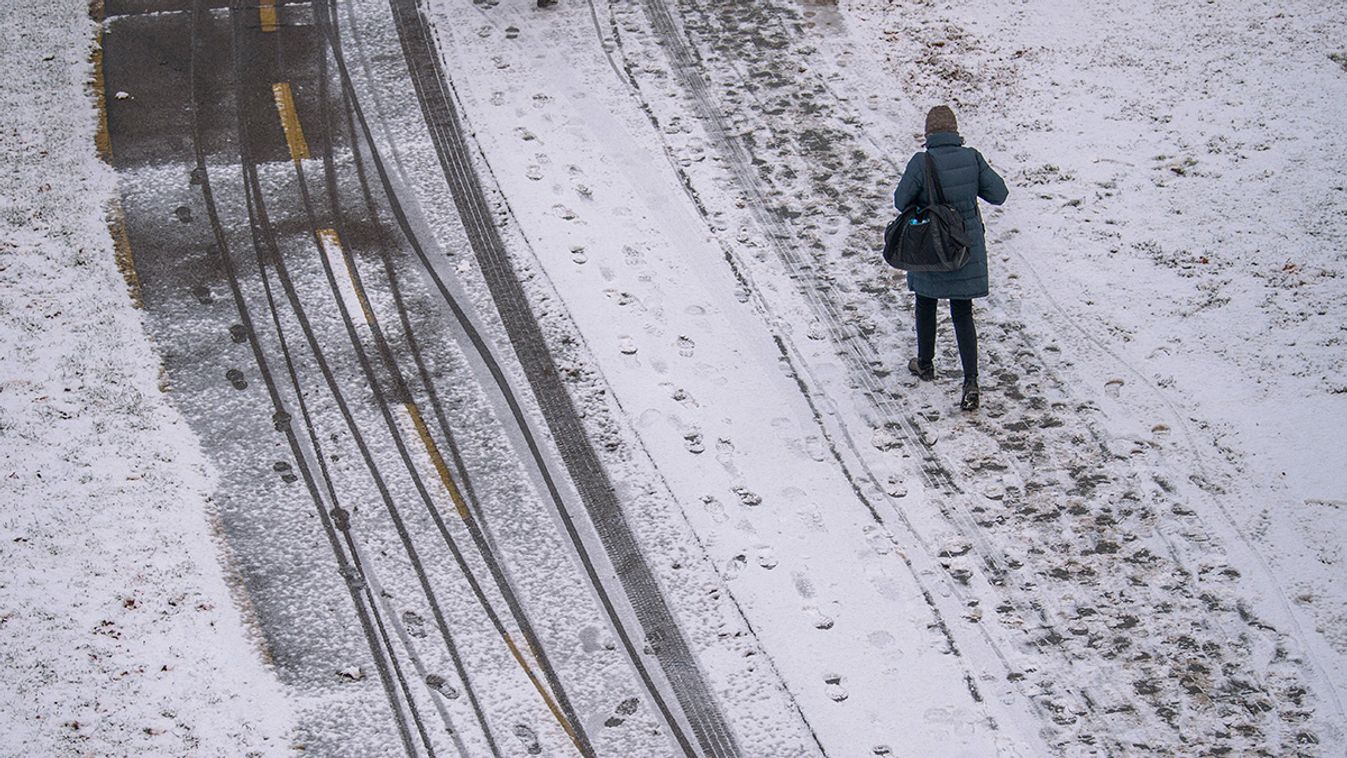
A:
(102, 138)
(121, 250)
(547, 696)
(330, 242)
(437, 460)
(116, 217)
(294, 135)
(266, 12)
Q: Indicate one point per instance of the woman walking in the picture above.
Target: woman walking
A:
(964, 177)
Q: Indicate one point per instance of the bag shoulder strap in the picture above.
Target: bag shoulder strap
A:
(933, 181)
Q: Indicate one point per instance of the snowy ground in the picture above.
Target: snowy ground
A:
(1133, 549)
(119, 631)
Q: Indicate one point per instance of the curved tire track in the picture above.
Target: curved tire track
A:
(661, 631)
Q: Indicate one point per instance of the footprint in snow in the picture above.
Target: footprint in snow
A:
(529, 739)
(896, 486)
(767, 557)
(511, 32)
(415, 624)
(590, 641)
(681, 395)
(203, 295)
(693, 441)
(442, 686)
(238, 333)
(283, 468)
(715, 508)
(626, 345)
(748, 497)
(834, 687)
(735, 566)
(534, 172)
(883, 440)
(578, 255)
(685, 346)
(818, 618)
(815, 448)
(622, 711)
(622, 298)
(879, 541)
(564, 213)
(1113, 387)
(880, 639)
(811, 519)
(235, 378)
(803, 585)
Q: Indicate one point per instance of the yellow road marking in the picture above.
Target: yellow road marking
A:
(102, 138)
(350, 289)
(116, 217)
(266, 12)
(294, 135)
(354, 295)
(330, 243)
(437, 460)
(547, 696)
(121, 250)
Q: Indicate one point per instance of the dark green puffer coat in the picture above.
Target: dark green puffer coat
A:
(964, 177)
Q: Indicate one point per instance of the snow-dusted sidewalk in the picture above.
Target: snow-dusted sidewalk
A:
(119, 632)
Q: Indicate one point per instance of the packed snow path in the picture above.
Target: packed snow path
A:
(495, 554)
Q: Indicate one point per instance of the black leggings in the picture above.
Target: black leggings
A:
(961, 313)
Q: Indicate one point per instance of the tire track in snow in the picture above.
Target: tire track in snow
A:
(267, 250)
(661, 631)
(400, 391)
(474, 515)
(382, 652)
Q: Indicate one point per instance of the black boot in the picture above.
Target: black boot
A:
(972, 398)
(924, 372)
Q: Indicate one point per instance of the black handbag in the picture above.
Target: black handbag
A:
(930, 237)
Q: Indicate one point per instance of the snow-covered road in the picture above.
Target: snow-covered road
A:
(555, 393)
